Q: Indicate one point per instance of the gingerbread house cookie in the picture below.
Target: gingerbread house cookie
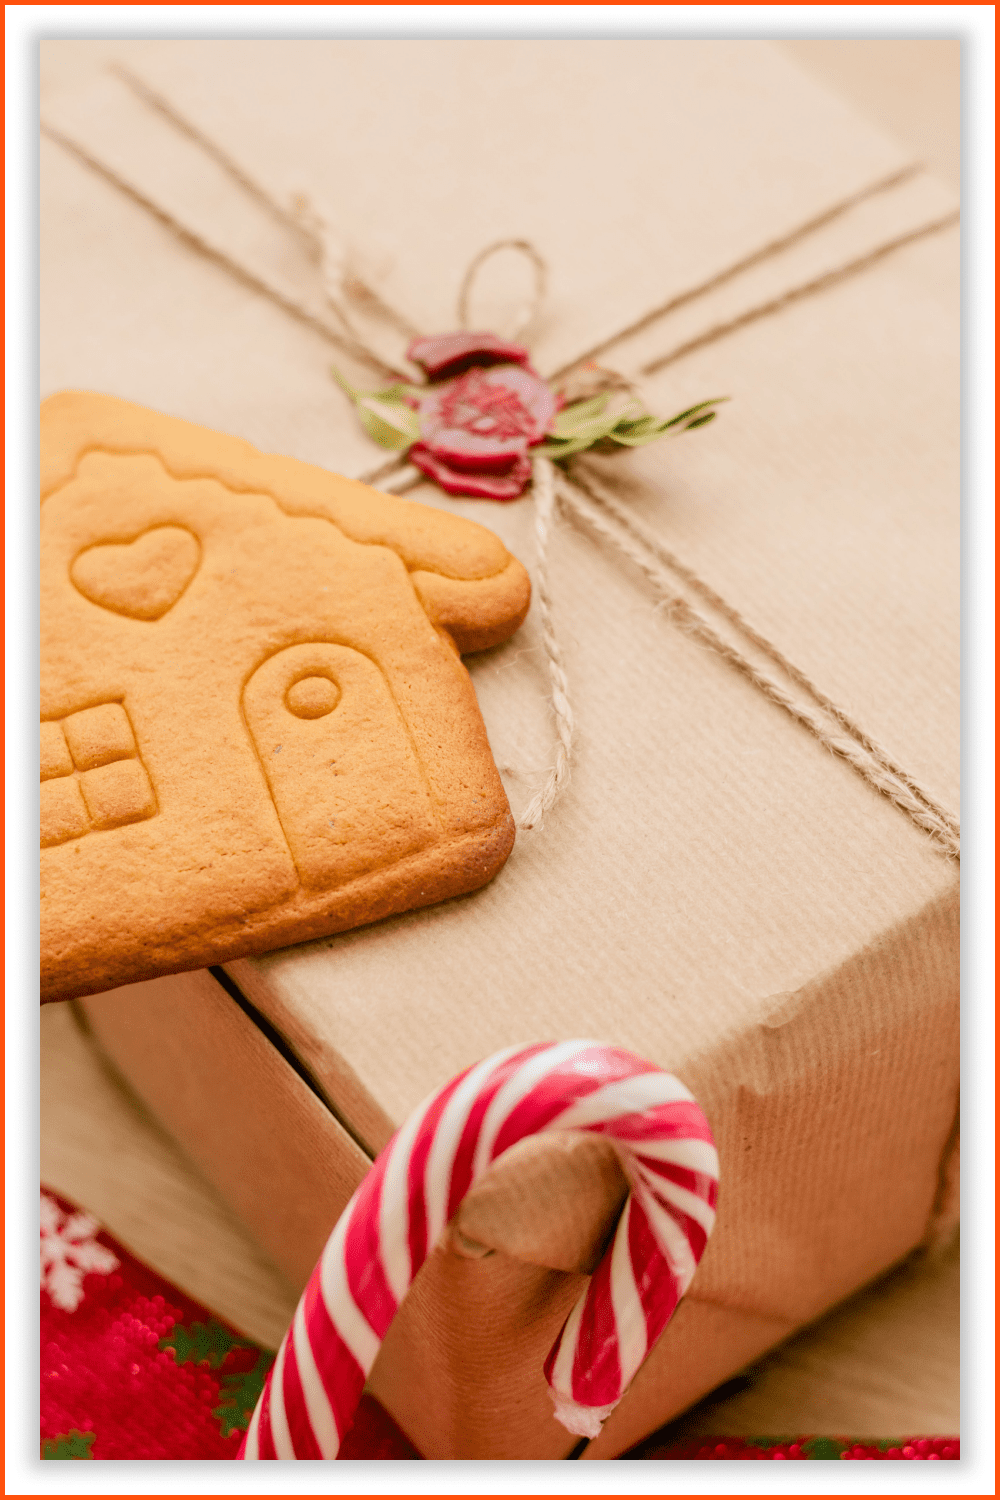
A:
(256, 726)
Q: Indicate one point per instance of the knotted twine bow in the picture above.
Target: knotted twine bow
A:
(687, 600)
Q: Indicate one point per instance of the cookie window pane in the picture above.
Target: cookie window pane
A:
(99, 735)
(56, 759)
(63, 813)
(118, 793)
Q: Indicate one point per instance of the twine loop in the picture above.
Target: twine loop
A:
(529, 310)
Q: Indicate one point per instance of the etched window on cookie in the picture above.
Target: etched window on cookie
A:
(92, 777)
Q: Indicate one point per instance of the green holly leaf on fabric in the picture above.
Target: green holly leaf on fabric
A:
(241, 1392)
(202, 1341)
(822, 1447)
(386, 415)
(72, 1444)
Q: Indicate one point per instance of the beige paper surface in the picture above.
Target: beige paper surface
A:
(714, 889)
(696, 152)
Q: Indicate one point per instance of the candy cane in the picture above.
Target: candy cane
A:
(414, 1188)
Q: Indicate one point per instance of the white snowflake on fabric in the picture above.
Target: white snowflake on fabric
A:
(69, 1251)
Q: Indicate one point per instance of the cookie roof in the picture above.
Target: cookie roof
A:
(467, 581)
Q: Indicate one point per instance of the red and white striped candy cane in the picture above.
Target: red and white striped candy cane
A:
(414, 1188)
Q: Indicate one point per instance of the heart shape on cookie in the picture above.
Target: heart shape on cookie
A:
(142, 578)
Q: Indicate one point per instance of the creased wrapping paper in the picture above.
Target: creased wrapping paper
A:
(714, 890)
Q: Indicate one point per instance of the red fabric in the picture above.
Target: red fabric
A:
(797, 1448)
(109, 1390)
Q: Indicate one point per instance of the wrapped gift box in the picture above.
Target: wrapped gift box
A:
(715, 889)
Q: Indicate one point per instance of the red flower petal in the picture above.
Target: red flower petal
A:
(486, 415)
(535, 396)
(470, 451)
(447, 354)
(482, 486)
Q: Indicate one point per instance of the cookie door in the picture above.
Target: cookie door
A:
(346, 783)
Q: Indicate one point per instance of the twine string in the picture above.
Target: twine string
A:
(403, 478)
(342, 283)
(652, 544)
(161, 105)
(196, 240)
(531, 308)
(592, 508)
(878, 773)
(315, 226)
(544, 490)
(796, 293)
(756, 257)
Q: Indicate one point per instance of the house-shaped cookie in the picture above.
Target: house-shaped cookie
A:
(256, 726)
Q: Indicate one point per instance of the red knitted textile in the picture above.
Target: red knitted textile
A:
(797, 1448)
(133, 1368)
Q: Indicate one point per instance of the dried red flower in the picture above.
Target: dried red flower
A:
(476, 429)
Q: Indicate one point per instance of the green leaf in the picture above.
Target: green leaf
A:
(398, 391)
(386, 415)
(568, 421)
(692, 410)
(72, 1444)
(202, 1341)
(586, 436)
(392, 425)
(635, 434)
(241, 1393)
(633, 426)
(346, 386)
(823, 1448)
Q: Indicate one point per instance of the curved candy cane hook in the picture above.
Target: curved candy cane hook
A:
(414, 1188)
